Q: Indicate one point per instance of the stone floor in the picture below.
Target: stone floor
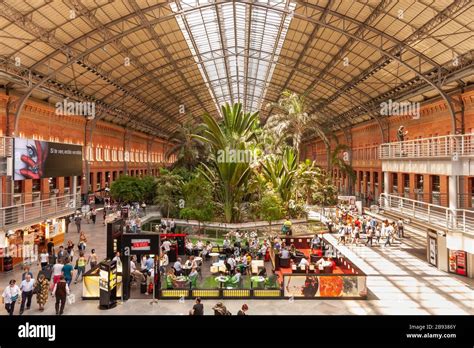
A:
(399, 282)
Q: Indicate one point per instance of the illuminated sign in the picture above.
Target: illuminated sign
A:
(140, 244)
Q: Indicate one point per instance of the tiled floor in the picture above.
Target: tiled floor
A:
(399, 282)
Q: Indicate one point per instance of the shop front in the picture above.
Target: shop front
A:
(22, 245)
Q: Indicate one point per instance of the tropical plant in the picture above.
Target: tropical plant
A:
(198, 198)
(293, 120)
(280, 172)
(271, 207)
(326, 194)
(235, 132)
(168, 191)
(188, 149)
(308, 179)
(131, 189)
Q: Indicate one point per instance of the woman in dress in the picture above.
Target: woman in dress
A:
(41, 289)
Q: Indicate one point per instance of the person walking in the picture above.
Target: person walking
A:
(62, 254)
(70, 249)
(386, 233)
(43, 259)
(67, 271)
(81, 266)
(51, 252)
(26, 288)
(243, 310)
(370, 235)
(400, 228)
(41, 290)
(26, 271)
(93, 259)
(104, 214)
(57, 272)
(93, 215)
(198, 308)
(77, 221)
(60, 291)
(82, 242)
(10, 295)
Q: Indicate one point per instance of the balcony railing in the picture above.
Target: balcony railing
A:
(448, 146)
(39, 210)
(459, 220)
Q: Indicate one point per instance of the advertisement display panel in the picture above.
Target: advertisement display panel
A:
(35, 159)
(310, 286)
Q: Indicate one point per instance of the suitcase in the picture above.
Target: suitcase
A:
(143, 287)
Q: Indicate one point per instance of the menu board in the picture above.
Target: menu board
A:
(310, 286)
(104, 280)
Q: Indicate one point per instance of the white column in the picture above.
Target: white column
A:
(74, 190)
(386, 182)
(453, 191)
(453, 197)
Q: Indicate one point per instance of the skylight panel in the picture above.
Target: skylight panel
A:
(241, 69)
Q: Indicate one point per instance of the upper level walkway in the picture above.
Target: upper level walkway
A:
(33, 212)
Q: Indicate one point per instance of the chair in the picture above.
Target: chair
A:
(193, 281)
(169, 283)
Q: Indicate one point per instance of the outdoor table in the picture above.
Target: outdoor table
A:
(198, 259)
(214, 256)
(222, 280)
(181, 282)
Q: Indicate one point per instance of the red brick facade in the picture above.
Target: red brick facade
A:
(39, 121)
(434, 121)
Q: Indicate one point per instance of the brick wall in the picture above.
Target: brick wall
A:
(434, 121)
(39, 121)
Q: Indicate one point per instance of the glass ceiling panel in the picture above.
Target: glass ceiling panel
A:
(237, 36)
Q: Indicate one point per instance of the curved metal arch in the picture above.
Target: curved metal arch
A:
(193, 62)
(322, 23)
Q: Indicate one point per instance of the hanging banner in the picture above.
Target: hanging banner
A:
(35, 159)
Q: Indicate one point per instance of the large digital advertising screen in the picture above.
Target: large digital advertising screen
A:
(36, 159)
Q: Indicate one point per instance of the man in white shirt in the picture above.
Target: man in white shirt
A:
(178, 267)
(199, 245)
(231, 262)
(166, 245)
(387, 232)
(26, 288)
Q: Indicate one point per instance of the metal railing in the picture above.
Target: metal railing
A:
(448, 146)
(6, 146)
(39, 210)
(459, 220)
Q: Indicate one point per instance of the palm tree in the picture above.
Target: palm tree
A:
(235, 132)
(188, 149)
(293, 120)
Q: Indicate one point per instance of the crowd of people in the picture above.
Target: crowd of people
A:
(59, 267)
(366, 230)
(219, 309)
